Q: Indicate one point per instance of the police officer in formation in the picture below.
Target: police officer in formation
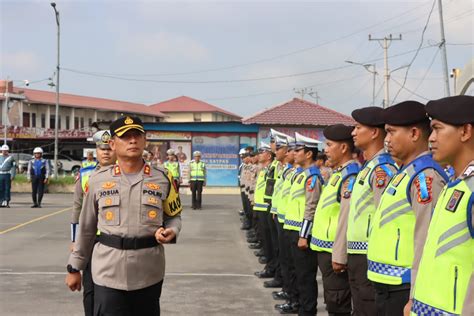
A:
(105, 157)
(129, 203)
(38, 174)
(391, 237)
(197, 180)
(7, 174)
(172, 165)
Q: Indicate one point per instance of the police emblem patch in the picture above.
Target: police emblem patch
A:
(335, 180)
(128, 121)
(309, 185)
(152, 214)
(397, 179)
(152, 186)
(380, 177)
(424, 188)
(105, 137)
(108, 185)
(109, 215)
(454, 200)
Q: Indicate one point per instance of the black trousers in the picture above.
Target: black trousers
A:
(275, 261)
(306, 267)
(362, 290)
(292, 283)
(88, 294)
(37, 188)
(196, 190)
(391, 299)
(113, 302)
(5, 187)
(283, 249)
(337, 293)
(265, 237)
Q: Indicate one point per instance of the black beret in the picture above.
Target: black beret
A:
(457, 110)
(125, 123)
(338, 132)
(405, 113)
(370, 116)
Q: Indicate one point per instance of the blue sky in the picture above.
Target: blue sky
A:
(214, 51)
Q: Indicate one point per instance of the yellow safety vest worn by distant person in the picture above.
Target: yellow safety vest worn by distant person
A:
(260, 204)
(197, 171)
(288, 177)
(448, 256)
(173, 167)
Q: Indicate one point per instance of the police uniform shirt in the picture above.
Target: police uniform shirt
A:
(423, 209)
(339, 248)
(8, 165)
(254, 171)
(312, 198)
(126, 207)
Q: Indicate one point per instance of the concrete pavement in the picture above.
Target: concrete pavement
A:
(208, 272)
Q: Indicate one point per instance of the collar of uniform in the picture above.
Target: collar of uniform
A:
(117, 172)
(468, 171)
(147, 170)
(345, 165)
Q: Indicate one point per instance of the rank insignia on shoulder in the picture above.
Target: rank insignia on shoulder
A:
(454, 200)
(424, 188)
(335, 180)
(147, 170)
(117, 171)
(108, 185)
(363, 174)
(300, 179)
(380, 177)
(152, 186)
(397, 179)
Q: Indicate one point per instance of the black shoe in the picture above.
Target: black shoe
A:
(39, 206)
(34, 206)
(272, 284)
(255, 246)
(279, 306)
(8, 204)
(289, 308)
(258, 253)
(252, 240)
(263, 260)
(245, 226)
(252, 235)
(241, 213)
(264, 274)
(280, 295)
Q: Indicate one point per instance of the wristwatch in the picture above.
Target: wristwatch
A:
(70, 269)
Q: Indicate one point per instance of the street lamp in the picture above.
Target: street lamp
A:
(373, 72)
(56, 112)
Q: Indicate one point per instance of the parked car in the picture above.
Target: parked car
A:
(67, 163)
(21, 161)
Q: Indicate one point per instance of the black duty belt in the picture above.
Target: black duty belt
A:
(127, 243)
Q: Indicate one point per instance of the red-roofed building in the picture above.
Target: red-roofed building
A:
(297, 115)
(186, 109)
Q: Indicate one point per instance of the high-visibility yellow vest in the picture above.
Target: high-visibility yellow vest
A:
(391, 241)
(197, 171)
(448, 256)
(173, 167)
(362, 206)
(289, 176)
(272, 175)
(277, 190)
(327, 212)
(85, 173)
(260, 205)
(88, 163)
(294, 214)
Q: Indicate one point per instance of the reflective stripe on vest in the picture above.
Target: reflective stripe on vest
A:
(260, 205)
(272, 173)
(297, 199)
(391, 240)
(197, 171)
(327, 212)
(88, 163)
(173, 167)
(285, 194)
(362, 207)
(448, 256)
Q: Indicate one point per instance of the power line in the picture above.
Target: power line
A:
(417, 51)
(405, 88)
(295, 52)
(426, 72)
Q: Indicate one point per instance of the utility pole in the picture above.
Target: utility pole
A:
(386, 44)
(56, 115)
(5, 112)
(302, 92)
(442, 46)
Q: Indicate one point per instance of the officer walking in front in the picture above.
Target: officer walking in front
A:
(127, 203)
(7, 174)
(197, 179)
(333, 202)
(368, 135)
(400, 223)
(447, 264)
(38, 174)
(105, 157)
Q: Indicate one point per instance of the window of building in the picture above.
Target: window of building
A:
(33, 119)
(68, 123)
(59, 122)
(90, 122)
(26, 119)
(82, 122)
(52, 121)
(197, 117)
(76, 123)
(43, 120)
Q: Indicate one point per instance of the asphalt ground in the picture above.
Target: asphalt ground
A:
(208, 272)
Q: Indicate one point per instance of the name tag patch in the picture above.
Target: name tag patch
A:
(108, 193)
